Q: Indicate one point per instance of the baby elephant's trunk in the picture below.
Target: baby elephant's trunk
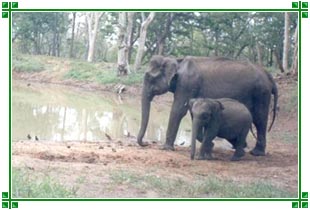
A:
(195, 128)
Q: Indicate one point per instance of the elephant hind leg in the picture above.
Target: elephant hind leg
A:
(261, 127)
(233, 143)
(239, 145)
(260, 120)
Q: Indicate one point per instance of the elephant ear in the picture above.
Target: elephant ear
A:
(173, 83)
(155, 67)
(169, 68)
(179, 60)
(191, 103)
(190, 106)
(218, 106)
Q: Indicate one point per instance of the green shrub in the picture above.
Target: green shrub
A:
(209, 186)
(80, 71)
(28, 184)
(27, 64)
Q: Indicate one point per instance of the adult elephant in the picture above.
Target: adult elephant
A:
(206, 77)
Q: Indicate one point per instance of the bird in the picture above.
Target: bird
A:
(108, 136)
(29, 137)
(36, 138)
(182, 143)
(126, 133)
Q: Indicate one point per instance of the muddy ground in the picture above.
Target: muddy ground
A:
(107, 168)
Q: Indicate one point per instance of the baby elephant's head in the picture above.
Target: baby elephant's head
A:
(203, 109)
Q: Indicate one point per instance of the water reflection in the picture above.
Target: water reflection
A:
(61, 114)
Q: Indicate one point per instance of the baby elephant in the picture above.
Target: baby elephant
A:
(224, 118)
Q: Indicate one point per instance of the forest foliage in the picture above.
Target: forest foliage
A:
(268, 39)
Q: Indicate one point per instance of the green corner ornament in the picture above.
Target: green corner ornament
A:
(304, 5)
(5, 5)
(294, 205)
(14, 204)
(5, 14)
(304, 195)
(304, 15)
(14, 5)
(304, 204)
(294, 4)
(5, 194)
(5, 205)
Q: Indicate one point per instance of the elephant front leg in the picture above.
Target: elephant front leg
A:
(178, 111)
(206, 147)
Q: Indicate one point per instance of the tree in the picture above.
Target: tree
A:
(57, 27)
(286, 41)
(259, 54)
(124, 42)
(122, 62)
(39, 33)
(142, 38)
(294, 68)
(259, 36)
(92, 25)
(72, 34)
(130, 35)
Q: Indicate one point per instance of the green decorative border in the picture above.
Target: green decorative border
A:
(300, 7)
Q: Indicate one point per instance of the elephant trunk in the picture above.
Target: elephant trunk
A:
(146, 106)
(195, 128)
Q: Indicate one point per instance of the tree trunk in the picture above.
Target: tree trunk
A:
(122, 64)
(271, 57)
(286, 42)
(142, 39)
(276, 55)
(72, 35)
(37, 45)
(240, 51)
(130, 17)
(92, 23)
(58, 44)
(216, 53)
(259, 54)
(161, 36)
(294, 68)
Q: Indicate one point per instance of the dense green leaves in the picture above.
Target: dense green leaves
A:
(248, 35)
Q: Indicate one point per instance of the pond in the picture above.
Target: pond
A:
(61, 113)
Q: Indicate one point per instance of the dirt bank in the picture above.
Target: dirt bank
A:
(97, 159)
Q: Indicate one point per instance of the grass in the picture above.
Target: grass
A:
(100, 73)
(272, 70)
(80, 71)
(210, 186)
(288, 137)
(291, 96)
(28, 184)
(27, 63)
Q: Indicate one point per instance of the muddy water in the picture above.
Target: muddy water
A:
(60, 113)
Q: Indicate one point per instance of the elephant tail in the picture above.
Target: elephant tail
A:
(253, 134)
(274, 91)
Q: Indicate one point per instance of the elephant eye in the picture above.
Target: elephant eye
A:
(204, 116)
